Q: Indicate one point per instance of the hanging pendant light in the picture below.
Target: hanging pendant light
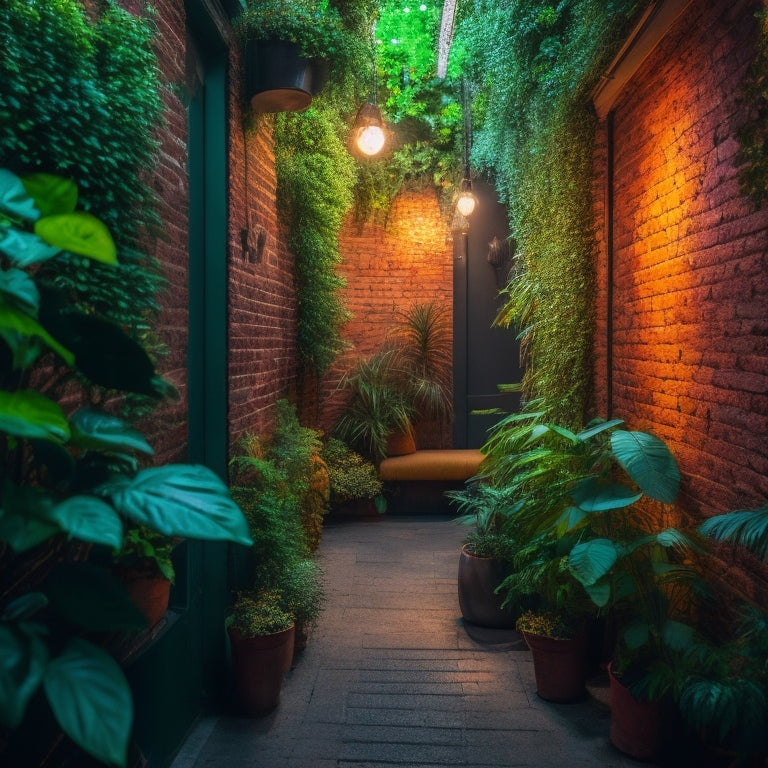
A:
(466, 201)
(368, 133)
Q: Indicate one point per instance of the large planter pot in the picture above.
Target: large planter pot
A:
(478, 578)
(278, 78)
(559, 666)
(149, 592)
(258, 667)
(635, 725)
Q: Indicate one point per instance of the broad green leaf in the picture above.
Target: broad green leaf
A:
(29, 414)
(80, 233)
(102, 352)
(570, 519)
(52, 194)
(595, 495)
(16, 325)
(94, 430)
(25, 248)
(637, 634)
(649, 463)
(599, 593)
(23, 658)
(90, 519)
(589, 561)
(676, 635)
(571, 437)
(24, 607)
(20, 290)
(181, 500)
(91, 700)
(14, 198)
(91, 597)
(25, 518)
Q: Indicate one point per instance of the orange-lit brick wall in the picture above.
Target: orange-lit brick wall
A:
(690, 263)
(389, 268)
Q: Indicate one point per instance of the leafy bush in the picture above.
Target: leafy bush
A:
(351, 476)
(260, 613)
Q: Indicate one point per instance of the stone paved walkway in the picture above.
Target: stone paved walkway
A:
(392, 679)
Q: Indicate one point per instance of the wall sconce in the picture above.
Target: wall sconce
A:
(466, 202)
(368, 131)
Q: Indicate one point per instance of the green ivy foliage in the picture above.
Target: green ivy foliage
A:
(753, 136)
(81, 98)
(315, 176)
(534, 64)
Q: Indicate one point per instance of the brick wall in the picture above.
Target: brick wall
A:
(389, 268)
(690, 286)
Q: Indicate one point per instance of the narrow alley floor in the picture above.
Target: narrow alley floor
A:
(392, 678)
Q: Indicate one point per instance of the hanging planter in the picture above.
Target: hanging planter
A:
(278, 78)
(288, 47)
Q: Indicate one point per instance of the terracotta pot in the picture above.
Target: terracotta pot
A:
(635, 725)
(278, 78)
(478, 578)
(559, 666)
(258, 667)
(149, 592)
(400, 444)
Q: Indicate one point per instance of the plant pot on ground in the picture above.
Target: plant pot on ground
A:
(559, 653)
(355, 485)
(261, 636)
(486, 555)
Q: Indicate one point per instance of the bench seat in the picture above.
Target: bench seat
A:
(434, 465)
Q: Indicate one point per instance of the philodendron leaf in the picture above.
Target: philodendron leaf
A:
(637, 634)
(91, 519)
(14, 198)
(51, 194)
(181, 500)
(29, 414)
(595, 495)
(591, 560)
(25, 248)
(25, 518)
(94, 430)
(649, 463)
(80, 233)
(17, 326)
(677, 635)
(90, 698)
(599, 593)
(23, 659)
(91, 597)
(19, 289)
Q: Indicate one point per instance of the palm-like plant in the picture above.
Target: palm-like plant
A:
(745, 527)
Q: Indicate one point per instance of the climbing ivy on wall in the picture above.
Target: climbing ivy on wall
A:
(533, 64)
(753, 135)
(80, 97)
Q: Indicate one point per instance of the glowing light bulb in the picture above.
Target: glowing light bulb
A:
(466, 203)
(370, 139)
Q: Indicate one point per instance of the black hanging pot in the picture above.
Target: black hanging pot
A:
(278, 78)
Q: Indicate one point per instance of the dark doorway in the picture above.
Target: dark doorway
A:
(484, 356)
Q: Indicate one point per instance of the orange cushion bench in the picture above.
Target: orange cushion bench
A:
(416, 482)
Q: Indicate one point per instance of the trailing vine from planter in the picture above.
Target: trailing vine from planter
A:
(81, 98)
(534, 64)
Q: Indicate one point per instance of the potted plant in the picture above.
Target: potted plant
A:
(355, 485)
(486, 555)
(287, 46)
(71, 480)
(143, 565)
(558, 648)
(261, 636)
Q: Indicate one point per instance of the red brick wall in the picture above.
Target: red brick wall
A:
(167, 427)
(389, 268)
(690, 287)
